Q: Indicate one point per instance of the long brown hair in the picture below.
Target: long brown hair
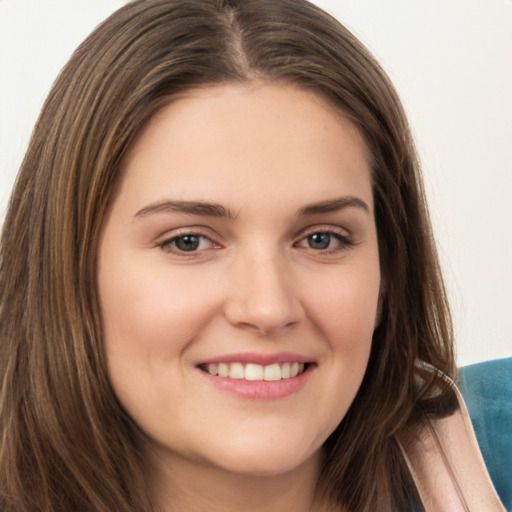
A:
(66, 443)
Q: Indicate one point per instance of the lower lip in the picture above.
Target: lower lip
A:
(260, 389)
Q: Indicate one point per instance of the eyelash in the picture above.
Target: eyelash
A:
(344, 242)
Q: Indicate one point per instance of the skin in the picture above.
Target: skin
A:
(254, 284)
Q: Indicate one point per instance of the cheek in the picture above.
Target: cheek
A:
(149, 320)
(151, 309)
(344, 309)
(346, 315)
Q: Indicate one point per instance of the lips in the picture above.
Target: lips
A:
(258, 376)
(254, 371)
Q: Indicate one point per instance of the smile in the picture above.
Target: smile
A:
(255, 372)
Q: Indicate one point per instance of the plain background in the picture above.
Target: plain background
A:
(451, 61)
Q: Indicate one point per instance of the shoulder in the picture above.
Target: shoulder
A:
(487, 391)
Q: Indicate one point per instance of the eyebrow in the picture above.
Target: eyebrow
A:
(207, 209)
(333, 205)
(189, 207)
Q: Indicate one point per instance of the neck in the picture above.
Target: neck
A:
(195, 487)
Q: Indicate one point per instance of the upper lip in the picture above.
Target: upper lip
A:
(258, 358)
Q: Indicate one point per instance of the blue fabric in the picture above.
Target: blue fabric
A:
(487, 391)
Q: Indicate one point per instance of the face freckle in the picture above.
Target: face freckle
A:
(241, 239)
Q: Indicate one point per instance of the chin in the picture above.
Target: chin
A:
(270, 456)
(259, 466)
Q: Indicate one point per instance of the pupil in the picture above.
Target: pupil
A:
(187, 243)
(319, 240)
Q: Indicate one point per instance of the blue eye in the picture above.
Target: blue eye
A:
(325, 241)
(319, 241)
(186, 243)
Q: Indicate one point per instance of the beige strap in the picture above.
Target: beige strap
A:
(447, 466)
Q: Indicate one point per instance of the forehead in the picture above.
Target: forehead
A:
(231, 139)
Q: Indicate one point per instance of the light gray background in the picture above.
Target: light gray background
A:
(451, 61)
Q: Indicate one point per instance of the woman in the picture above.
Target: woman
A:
(219, 286)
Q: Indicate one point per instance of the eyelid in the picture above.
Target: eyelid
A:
(196, 230)
(324, 228)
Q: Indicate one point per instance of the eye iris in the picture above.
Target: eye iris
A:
(187, 242)
(319, 240)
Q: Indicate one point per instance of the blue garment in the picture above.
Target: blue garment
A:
(487, 391)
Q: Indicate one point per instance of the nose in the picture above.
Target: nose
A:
(262, 295)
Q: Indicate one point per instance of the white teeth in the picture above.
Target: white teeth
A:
(272, 372)
(251, 371)
(223, 370)
(236, 371)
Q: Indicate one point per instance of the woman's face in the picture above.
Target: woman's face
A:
(239, 277)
